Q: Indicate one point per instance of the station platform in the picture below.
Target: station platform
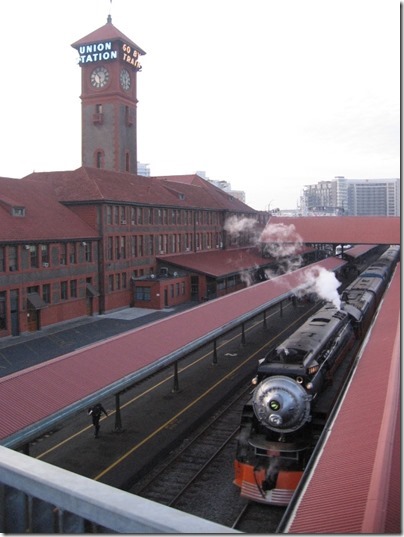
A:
(153, 415)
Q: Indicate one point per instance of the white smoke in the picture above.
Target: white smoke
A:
(235, 226)
(280, 240)
(322, 282)
(283, 244)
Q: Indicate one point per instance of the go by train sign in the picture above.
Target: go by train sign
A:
(109, 50)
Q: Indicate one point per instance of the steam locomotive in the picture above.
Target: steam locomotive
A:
(288, 407)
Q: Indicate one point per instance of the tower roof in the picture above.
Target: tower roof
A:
(105, 33)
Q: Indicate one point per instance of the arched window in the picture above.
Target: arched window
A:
(99, 159)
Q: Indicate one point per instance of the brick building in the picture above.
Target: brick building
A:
(95, 239)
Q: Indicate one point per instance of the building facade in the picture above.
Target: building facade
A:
(353, 197)
(92, 240)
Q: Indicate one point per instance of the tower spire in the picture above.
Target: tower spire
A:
(109, 18)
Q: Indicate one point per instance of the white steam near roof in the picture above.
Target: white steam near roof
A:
(283, 244)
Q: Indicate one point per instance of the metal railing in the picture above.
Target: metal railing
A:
(37, 497)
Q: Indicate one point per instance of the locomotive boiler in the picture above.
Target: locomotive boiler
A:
(288, 407)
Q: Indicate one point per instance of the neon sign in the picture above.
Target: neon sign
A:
(95, 52)
(104, 51)
(131, 56)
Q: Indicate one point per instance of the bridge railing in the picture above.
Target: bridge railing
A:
(37, 497)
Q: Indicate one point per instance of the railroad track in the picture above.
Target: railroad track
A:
(197, 476)
(258, 518)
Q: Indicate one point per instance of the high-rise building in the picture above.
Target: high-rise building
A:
(353, 197)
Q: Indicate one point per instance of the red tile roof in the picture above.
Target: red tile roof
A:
(106, 33)
(344, 229)
(360, 249)
(93, 184)
(45, 218)
(218, 263)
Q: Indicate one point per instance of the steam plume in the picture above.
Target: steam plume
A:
(323, 283)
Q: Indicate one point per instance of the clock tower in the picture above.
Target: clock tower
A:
(109, 64)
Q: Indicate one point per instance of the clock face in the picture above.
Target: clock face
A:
(99, 77)
(125, 79)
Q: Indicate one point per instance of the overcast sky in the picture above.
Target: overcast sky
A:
(269, 95)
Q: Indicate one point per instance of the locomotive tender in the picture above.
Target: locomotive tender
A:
(282, 421)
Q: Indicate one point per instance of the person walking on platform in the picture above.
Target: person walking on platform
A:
(95, 413)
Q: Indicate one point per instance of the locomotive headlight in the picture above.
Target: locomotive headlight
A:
(313, 369)
(254, 381)
(274, 405)
(309, 386)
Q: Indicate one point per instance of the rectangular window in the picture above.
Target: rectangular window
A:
(88, 252)
(109, 215)
(63, 254)
(3, 318)
(122, 213)
(72, 253)
(117, 281)
(73, 289)
(143, 293)
(33, 255)
(117, 242)
(2, 259)
(124, 280)
(123, 248)
(63, 290)
(110, 283)
(133, 246)
(110, 252)
(116, 214)
(12, 258)
(45, 255)
(46, 293)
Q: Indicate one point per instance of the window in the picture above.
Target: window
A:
(45, 255)
(88, 253)
(63, 254)
(110, 248)
(109, 214)
(63, 290)
(127, 161)
(46, 293)
(72, 253)
(117, 242)
(122, 211)
(124, 280)
(122, 250)
(33, 254)
(12, 258)
(99, 159)
(143, 293)
(133, 246)
(2, 260)
(110, 283)
(3, 319)
(73, 289)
